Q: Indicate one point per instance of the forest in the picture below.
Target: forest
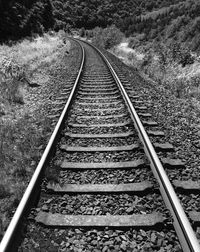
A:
(147, 20)
(21, 18)
(178, 22)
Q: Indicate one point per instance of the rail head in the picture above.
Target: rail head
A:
(181, 223)
(12, 231)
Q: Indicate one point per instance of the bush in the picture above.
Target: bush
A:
(13, 91)
(11, 76)
(186, 57)
(181, 87)
(134, 42)
(21, 143)
(82, 32)
(108, 37)
(195, 43)
(4, 191)
(182, 55)
(147, 60)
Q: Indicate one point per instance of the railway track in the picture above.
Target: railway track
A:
(100, 185)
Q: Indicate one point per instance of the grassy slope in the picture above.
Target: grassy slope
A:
(24, 129)
(183, 82)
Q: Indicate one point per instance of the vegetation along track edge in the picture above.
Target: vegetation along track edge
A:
(95, 132)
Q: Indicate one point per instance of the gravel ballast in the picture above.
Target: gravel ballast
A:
(98, 240)
(106, 176)
(98, 204)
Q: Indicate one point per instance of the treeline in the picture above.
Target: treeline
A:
(178, 22)
(145, 20)
(21, 18)
(24, 17)
(102, 13)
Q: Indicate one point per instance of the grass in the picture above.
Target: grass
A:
(23, 130)
(19, 151)
(181, 81)
(23, 60)
(38, 49)
(21, 146)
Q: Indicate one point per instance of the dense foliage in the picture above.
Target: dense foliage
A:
(153, 19)
(108, 37)
(178, 22)
(92, 13)
(21, 18)
(25, 17)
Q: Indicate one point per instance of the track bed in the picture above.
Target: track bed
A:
(99, 192)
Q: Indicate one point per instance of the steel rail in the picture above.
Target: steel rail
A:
(12, 230)
(185, 233)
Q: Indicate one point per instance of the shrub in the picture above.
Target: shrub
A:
(11, 77)
(186, 58)
(82, 32)
(107, 37)
(147, 60)
(14, 91)
(89, 34)
(180, 87)
(180, 54)
(21, 144)
(134, 42)
(4, 191)
(195, 43)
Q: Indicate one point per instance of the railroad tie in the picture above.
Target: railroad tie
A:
(114, 135)
(140, 107)
(132, 188)
(172, 163)
(156, 133)
(187, 185)
(134, 220)
(149, 123)
(81, 125)
(165, 147)
(100, 149)
(104, 165)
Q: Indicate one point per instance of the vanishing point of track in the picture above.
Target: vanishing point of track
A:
(100, 133)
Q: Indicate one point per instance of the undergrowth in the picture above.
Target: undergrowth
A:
(23, 132)
(20, 62)
(172, 67)
(21, 146)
